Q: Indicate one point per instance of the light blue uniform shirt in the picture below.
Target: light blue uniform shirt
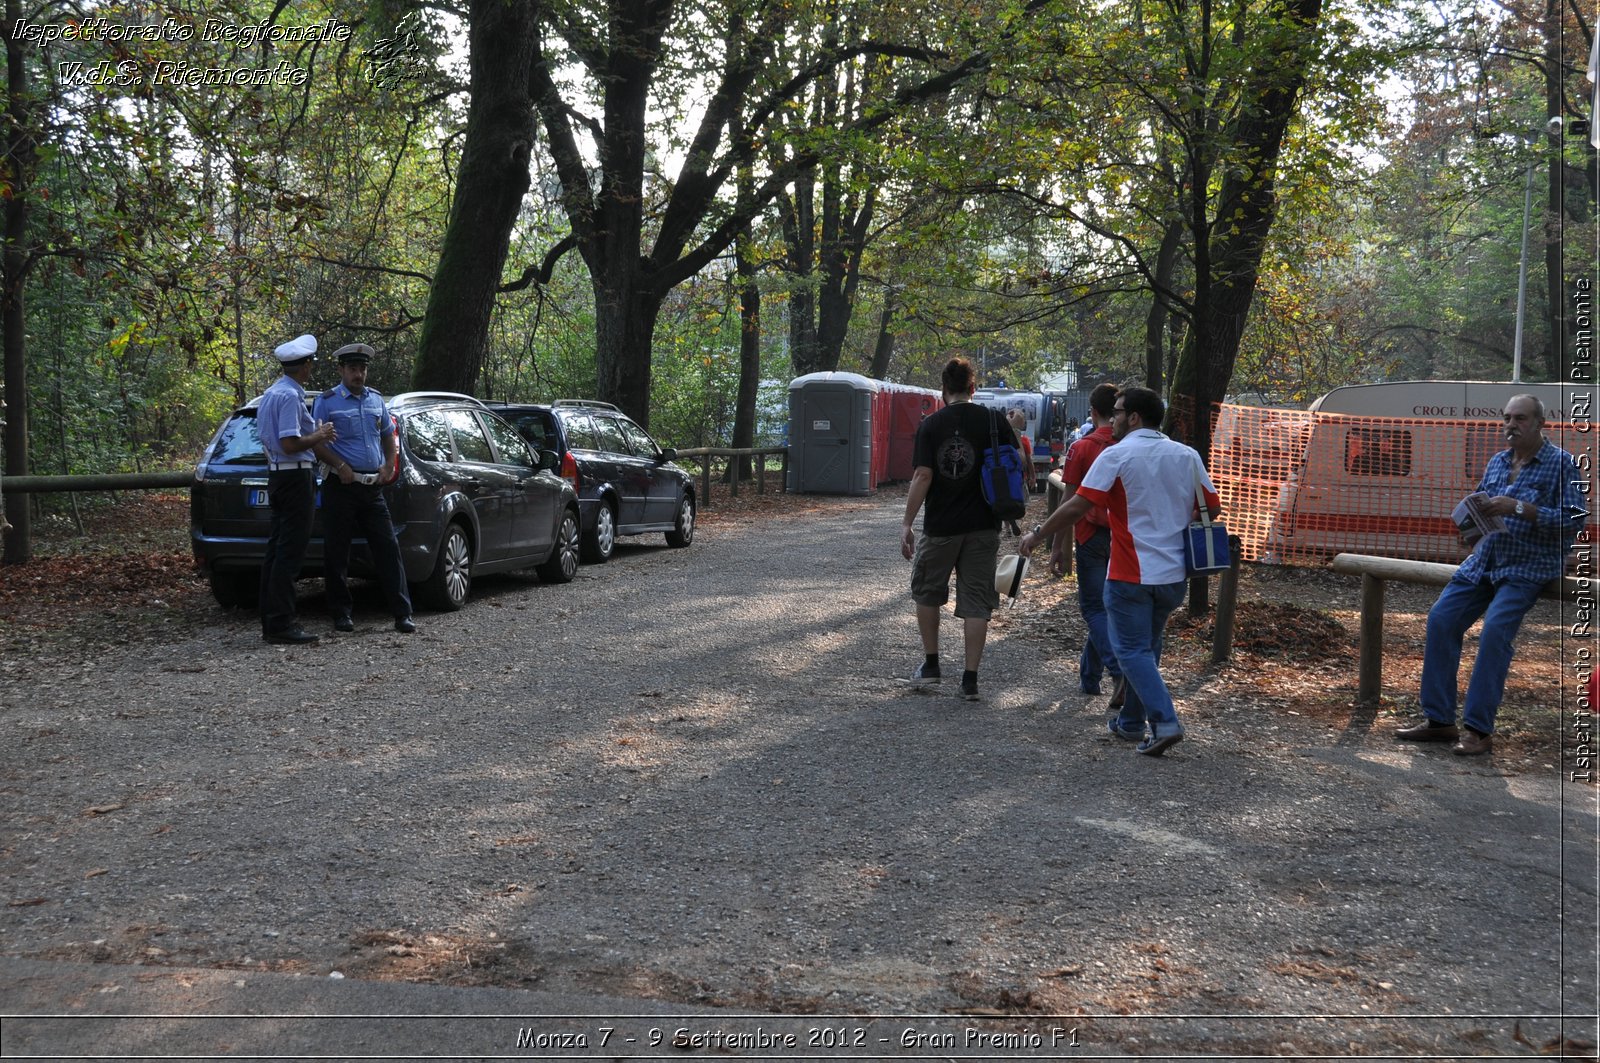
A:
(361, 422)
(282, 413)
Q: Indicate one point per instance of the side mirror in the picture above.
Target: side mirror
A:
(667, 454)
(549, 460)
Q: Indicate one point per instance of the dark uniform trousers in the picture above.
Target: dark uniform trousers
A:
(292, 496)
(346, 509)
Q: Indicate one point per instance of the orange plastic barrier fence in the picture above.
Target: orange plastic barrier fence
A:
(1299, 487)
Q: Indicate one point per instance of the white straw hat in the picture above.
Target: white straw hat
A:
(1009, 572)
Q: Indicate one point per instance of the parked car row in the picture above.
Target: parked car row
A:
(481, 488)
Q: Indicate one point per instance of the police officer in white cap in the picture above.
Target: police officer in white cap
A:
(289, 437)
(352, 495)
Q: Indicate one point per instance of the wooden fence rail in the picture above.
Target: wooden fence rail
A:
(706, 454)
(115, 481)
(1375, 572)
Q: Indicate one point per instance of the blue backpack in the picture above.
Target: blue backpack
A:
(1000, 473)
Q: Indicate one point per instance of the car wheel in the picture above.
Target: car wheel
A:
(450, 582)
(562, 564)
(683, 533)
(236, 589)
(599, 544)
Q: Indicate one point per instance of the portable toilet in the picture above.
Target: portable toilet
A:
(909, 407)
(831, 429)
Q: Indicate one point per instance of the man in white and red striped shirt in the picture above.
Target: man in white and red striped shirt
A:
(1147, 483)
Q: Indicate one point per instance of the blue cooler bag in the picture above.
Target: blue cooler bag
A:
(1205, 542)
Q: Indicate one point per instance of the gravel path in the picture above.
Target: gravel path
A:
(696, 776)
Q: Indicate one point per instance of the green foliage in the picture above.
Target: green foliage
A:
(180, 231)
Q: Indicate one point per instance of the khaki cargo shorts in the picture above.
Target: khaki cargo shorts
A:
(972, 557)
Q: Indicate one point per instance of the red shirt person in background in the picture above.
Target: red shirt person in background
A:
(1092, 549)
(1018, 421)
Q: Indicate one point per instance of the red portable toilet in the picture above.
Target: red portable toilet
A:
(909, 407)
(882, 415)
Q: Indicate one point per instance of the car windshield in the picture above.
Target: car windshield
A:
(239, 443)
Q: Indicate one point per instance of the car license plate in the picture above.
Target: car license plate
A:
(258, 496)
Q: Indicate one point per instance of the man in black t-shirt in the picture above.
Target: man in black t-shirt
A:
(960, 533)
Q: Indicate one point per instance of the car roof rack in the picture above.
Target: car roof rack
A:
(434, 396)
(591, 403)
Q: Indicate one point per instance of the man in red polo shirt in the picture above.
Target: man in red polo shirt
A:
(1092, 546)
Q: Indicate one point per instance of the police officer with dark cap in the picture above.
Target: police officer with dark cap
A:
(361, 461)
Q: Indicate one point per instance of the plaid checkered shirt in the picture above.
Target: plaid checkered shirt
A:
(1533, 547)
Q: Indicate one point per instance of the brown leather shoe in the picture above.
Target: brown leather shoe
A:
(1428, 731)
(1472, 743)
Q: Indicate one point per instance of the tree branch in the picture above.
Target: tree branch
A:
(541, 273)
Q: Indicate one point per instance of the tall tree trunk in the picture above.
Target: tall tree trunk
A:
(845, 239)
(489, 188)
(1555, 201)
(744, 413)
(1228, 254)
(1161, 310)
(625, 323)
(798, 215)
(748, 294)
(21, 153)
(883, 350)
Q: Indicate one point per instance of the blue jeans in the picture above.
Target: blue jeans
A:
(1093, 557)
(1138, 614)
(1502, 607)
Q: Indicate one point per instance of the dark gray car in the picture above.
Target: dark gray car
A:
(627, 484)
(472, 497)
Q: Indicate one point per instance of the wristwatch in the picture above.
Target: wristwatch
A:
(1519, 509)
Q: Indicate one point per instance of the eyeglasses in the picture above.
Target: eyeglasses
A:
(1118, 409)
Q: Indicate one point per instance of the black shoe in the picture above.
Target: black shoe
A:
(405, 625)
(926, 675)
(291, 636)
(1154, 747)
(969, 688)
(342, 622)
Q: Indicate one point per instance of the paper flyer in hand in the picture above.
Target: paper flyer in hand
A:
(1473, 520)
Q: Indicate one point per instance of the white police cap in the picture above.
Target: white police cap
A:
(296, 350)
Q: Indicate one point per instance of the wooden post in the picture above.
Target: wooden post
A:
(761, 473)
(1369, 684)
(1227, 605)
(733, 476)
(1374, 571)
(705, 482)
(784, 470)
